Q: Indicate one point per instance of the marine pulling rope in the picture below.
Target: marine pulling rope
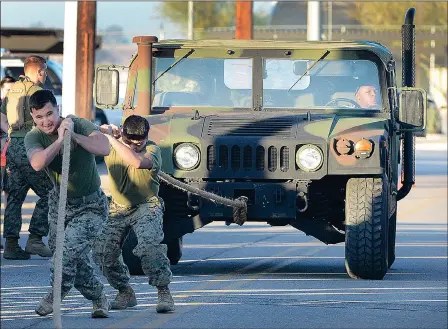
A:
(239, 205)
(60, 233)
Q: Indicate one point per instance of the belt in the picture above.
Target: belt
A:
(84, 199)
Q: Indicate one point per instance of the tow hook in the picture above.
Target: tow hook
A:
(301, 202)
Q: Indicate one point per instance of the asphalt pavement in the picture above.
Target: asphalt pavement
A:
(257, 276)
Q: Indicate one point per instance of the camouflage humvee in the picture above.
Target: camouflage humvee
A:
(309, 132)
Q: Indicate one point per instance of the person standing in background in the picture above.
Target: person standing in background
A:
(21, 176)
(5, 85)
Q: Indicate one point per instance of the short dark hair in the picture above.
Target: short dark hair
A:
(40, 98)
(34, 61)
(7, 79)
(135, 127)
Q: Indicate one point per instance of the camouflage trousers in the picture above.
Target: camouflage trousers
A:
(147, 222)
(21, 177)
(81, 230)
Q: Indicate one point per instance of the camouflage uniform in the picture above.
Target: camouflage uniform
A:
(135, 203)
(147, 221)
(81, 230)
(21, 177)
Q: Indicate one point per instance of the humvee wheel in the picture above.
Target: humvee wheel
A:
(174, 250)
(366, 221)
(392, 238)
(133, 262)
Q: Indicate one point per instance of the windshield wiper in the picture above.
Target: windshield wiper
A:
(174, 64)
(325, 54)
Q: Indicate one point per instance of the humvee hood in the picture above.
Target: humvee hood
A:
(266, 125)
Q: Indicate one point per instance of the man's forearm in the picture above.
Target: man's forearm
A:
(4, 123)
(96, 144)
(130, 157)
(40, 159)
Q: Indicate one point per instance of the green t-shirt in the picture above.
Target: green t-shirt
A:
(130, 186)
(83, 175)
(27, 115)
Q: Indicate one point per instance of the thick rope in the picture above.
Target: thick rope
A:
(60, 233)
(239, 205)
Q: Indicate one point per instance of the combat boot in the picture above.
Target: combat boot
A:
(165, 302)
(13, 250)
(101, 307)
(45, 305)
(124, 299)
(36, 246)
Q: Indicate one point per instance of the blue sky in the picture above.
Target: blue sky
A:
(135, 17)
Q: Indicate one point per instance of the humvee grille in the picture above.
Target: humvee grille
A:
(284, 158)
(259, 158)
(247, 157)
(278, 127)
(223, 156)
(236, 157)
(211, 159)
(243, 159)
(272, 158)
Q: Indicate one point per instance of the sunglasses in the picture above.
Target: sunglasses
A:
(130, 142)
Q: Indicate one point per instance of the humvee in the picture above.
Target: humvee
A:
(282, 124)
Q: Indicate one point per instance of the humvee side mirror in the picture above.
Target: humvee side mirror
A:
(106, 87)
(300, 67)
(412, 114)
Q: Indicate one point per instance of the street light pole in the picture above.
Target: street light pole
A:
(244, 26)
(313, 21)
(190, 20)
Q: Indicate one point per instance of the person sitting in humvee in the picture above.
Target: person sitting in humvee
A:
(365, 96)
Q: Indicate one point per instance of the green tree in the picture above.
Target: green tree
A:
(392, 13)
(207, 14)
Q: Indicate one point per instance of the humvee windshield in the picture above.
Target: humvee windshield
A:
(218, 82)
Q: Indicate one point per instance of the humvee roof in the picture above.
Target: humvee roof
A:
(382, 52)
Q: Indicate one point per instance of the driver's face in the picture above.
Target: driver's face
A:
(366, 97)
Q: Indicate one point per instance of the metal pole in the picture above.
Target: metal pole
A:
(190, 20)
(313, 21)
(330, 21)
(244, 26)
(85, 59)
(69, 60)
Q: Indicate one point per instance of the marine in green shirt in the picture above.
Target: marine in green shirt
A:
(133, 165)
(87, 206)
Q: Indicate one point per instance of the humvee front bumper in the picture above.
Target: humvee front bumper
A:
(265, 200)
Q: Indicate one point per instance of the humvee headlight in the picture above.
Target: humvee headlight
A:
(363, 149)
(187, 156)
(309, 157)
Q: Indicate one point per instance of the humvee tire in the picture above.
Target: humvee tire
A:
(366, 228)
(133, 262)
(174, 250)
(392, 238)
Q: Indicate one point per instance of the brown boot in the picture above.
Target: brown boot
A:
(13, 250)
(36, 246)
(165, 302)
(124, 299)
(101, 307)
